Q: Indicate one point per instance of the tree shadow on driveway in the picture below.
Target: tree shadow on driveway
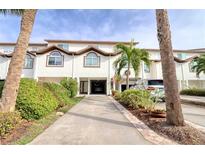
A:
(126, 124)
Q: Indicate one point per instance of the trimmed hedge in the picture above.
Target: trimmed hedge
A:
(193, 92)
(71, 85)
(34, 101)
(136, 99)
(59, 92)
(1, 87)
(8, 121)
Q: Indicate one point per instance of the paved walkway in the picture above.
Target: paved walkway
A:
(197, 100)
(95, 120)
(192, 113)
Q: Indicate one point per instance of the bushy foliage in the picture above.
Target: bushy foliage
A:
(116, 94)
(8, 121)
(1, 87)
(136, 99)
(71, 85)
(34, 101)
(59, 92)
(193, 92)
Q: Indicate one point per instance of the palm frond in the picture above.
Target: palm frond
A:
(119, 64)
(135, 60)
(130, 55)
(199, 65)
(145, 56)
(121, 48)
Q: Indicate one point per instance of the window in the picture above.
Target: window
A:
(34, 48)
(155, 82)
(181, 55)
(191, 64)
(55, 59)
(146, 68)
(63, 46)
(7, 49)
(94, 45)
(28, 64)
(92, 60)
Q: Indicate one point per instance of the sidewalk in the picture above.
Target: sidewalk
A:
(195, 100)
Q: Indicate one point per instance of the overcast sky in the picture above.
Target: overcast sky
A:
(187, 26)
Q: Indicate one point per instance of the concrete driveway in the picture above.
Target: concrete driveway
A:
(95, 120)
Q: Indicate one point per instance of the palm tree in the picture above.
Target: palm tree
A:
(199, 65)
(173, 104)
(118, 80)
(130, 56)
(10, 90)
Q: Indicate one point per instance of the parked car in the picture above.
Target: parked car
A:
(155, 86)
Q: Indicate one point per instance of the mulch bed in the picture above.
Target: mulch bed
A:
(182, 134)
(16, 133)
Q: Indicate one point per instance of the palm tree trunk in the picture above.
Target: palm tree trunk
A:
(173, 105)
(11, 85)
(128, 74)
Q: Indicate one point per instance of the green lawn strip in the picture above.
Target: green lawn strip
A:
(40, 125)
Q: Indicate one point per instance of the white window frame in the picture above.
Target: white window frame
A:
(55, 56)
(92, 60)
(26, 62)
(146, 70)
(63, 44)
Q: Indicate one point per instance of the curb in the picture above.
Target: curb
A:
(146, 132)
(192, 102)
(200, 128)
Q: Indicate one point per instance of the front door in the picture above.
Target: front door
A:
(98, 86)
(83, 87)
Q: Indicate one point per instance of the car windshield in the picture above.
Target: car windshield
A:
(155, 82)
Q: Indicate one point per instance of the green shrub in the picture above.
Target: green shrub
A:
(117, 95)
(59, 92)
(136, 99)
(34, 101)
(1, 87)
(71, 85)
(193, 92)
(8, 121)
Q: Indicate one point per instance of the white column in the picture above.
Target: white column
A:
(113, 84)
(120, 87)
(78, 81)
(180, 84)
(154, 70)
(73, 58)
(187, 83)
(35, 68)
(182, 70)
(108, 78)
(108, 86)
(88, 86)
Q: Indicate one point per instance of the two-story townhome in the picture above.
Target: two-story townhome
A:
(91, 64)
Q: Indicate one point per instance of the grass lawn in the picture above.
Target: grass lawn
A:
(38, 126)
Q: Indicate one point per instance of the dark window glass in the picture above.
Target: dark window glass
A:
(155, 82)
